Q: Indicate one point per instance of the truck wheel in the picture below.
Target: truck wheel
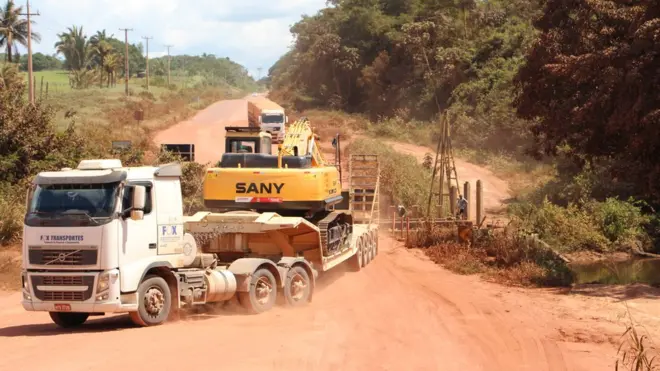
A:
(298, 287)
(68, 319)
(262, 294)
(154, 302)
(355, 262)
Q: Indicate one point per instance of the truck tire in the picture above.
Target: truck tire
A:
(372, 246)
(263, 292)
(355, 262)
(365, 251)
(298, 287)
(154, 302)
(68, 319)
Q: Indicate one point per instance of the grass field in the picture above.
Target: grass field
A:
(58, 82)
(100, 105)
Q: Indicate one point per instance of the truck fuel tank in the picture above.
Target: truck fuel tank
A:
(221, 285)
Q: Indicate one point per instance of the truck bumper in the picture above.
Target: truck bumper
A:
(89, 292)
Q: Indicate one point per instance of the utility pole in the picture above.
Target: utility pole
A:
(29, 40)
(147, 38)
(126, 71)
(169, 59)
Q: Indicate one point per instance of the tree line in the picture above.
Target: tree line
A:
(576, 80)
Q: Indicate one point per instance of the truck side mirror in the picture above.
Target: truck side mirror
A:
(139, 201)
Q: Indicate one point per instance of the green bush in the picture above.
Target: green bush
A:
(601, 226)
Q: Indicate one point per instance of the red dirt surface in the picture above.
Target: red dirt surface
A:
(402, 312)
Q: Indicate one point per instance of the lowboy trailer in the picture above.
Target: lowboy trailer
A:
(103, 238)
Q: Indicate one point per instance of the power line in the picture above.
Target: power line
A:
(147, 38)
(126, 72)
(169, 59)
(31, 81)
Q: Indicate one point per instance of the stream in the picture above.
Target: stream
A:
(618, 272)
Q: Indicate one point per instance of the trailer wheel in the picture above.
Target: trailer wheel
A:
(355, 262)
(365, 251)
(68, 319)
(298, 287)
(154, 302)
(262, 294)
(372, 246)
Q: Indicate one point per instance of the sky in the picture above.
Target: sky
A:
(254, 33)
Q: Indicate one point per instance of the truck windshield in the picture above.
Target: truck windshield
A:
(272, 119)
(91, 200)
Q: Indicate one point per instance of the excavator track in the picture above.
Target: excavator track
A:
(336, 229)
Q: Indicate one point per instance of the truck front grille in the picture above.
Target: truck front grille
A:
(40, 287)
(63, 296)
(62, 257)
(62, 280)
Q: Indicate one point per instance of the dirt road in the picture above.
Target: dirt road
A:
(400, 313)
(206, 130)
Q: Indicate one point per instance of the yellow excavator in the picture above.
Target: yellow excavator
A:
(295, 182)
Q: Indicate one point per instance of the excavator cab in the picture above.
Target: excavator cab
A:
(239, 139)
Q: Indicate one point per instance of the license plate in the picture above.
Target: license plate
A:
(62, 307)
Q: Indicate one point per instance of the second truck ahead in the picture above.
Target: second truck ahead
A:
(104, 238)
(269, 116)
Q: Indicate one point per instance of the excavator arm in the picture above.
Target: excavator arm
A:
(300, 140)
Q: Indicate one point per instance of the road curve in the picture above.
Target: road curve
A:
(401, 312)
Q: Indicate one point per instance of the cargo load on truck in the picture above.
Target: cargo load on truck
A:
(123, 243)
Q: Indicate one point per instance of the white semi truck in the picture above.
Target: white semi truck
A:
(103, 238)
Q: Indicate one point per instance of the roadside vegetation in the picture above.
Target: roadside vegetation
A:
(397, 66)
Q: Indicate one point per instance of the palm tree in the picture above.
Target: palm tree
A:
(102, 48)
(75, 47)
(110, 67)
(13, 29)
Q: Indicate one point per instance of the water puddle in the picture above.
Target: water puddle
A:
(618, 272)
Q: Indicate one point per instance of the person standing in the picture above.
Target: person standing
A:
(462, 205)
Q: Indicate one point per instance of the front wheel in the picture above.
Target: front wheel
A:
(154, 302)
(263, 292)
(67, 320)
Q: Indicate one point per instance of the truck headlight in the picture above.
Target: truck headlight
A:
(26, 286)
(24, 281)
(103, 283)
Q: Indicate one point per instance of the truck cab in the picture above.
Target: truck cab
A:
(274, 122)
(92, 233)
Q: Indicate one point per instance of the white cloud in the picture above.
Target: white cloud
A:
(254, 33)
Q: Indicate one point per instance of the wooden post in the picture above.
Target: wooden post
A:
(480, 201)
(453, 192)
(41, 89)
(466, 193)
(394, 223)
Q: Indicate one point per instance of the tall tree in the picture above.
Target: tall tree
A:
(14, 29)
(591, 86)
